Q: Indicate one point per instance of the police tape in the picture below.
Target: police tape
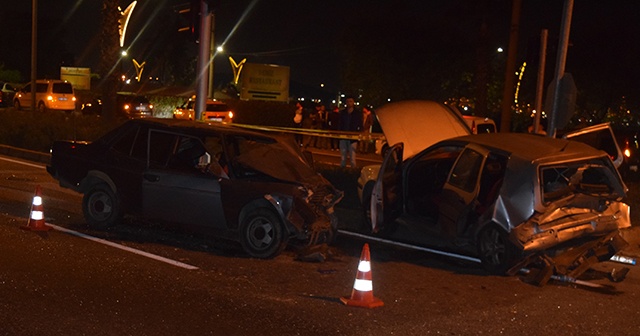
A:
(341, 135)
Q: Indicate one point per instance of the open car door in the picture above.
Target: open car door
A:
(461, 191)
(601, 137)
(386, 196)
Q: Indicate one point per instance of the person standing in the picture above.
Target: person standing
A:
(322, 142)
(333, 124)
(350, 120)
(367, 123)
(297, 122)
(310, 122)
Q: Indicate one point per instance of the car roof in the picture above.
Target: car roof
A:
(183, 124)
(419, 124)
(532, 147)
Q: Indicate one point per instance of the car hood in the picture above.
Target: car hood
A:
(281, 162)
(419, 124)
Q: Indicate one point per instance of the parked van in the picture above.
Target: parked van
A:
(51, 94)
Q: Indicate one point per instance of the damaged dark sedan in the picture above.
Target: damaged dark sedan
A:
(237, 184)
(553, 206)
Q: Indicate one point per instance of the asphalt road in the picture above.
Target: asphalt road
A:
(58, 283)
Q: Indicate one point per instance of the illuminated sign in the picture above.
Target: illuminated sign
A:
(264, 82)
(80, 78)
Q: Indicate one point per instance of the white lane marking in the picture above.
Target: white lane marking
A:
(23, 163)
(106, 242)
(413, 247)
(125, 248)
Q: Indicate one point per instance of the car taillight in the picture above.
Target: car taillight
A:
(73, 98)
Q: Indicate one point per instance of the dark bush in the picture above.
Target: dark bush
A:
(37, 131)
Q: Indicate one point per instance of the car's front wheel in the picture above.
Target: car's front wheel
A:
(497, 253)
(101, 206)
(262, 234)
(366, 204)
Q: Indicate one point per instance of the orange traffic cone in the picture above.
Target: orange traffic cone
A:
(362, 294)
(36, 219)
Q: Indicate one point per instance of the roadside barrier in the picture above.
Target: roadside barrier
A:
(342, 135)
(362, 293)
(36, 218)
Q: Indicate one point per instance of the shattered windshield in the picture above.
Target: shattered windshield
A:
(594, 177)
(251, 155)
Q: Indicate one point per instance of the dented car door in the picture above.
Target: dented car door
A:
(460, 191)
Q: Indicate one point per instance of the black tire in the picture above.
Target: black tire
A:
(496, 251)
(262, 234)
(366, 203)
(42, 108)
(101, 206)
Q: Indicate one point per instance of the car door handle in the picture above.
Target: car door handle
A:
(151, 177)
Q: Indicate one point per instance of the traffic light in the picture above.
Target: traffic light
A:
(195, 18)
(191, 16)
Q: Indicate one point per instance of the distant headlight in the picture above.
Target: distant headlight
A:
(627, 152)
(230, 115)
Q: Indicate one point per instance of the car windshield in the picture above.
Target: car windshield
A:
(217, 107)
(139, 100)
(62, 88)
(591, 178)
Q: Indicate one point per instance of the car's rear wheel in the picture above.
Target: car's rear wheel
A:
(101, 206)
(262, 234)
(496, 251)
(42, 108)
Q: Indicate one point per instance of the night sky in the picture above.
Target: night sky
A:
(305, 35)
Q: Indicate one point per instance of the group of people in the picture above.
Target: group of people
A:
(350, 119)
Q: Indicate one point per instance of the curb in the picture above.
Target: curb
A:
(26, 154)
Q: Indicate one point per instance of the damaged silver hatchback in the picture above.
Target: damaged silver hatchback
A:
(554, 206)
(217, 179)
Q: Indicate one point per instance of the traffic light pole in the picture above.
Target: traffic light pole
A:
(202, 77)
(212, 52)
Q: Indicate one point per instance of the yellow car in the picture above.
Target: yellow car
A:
(215, 111)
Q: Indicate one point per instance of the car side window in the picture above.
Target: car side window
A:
(41, 87)
(161, 147)
(126, 141)
(27, 88)
(465, 172)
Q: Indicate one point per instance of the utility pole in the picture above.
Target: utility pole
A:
(540, 86)
(509, 80)
(202, 71)
(34, 51)
(561, 60)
